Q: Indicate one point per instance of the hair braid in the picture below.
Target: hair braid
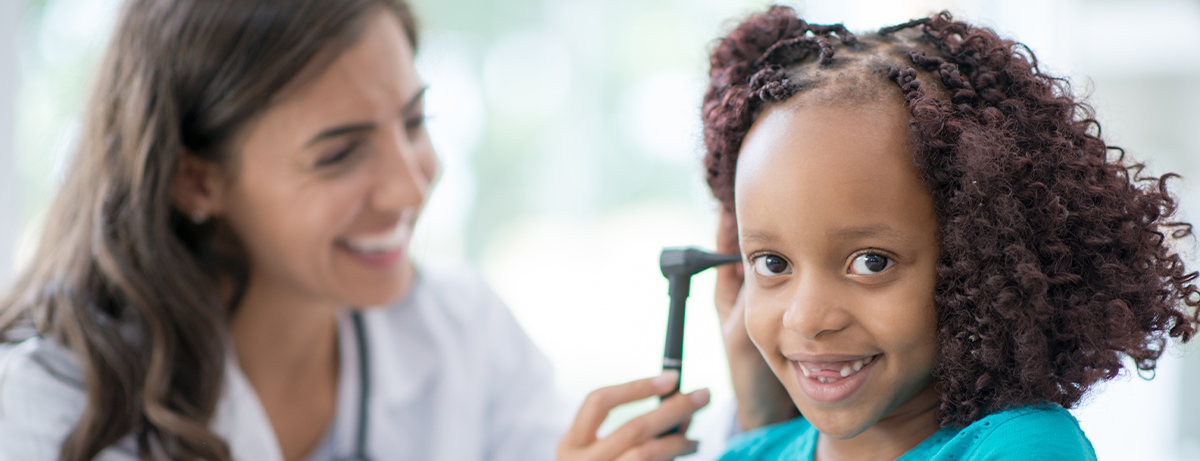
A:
(1055, 262)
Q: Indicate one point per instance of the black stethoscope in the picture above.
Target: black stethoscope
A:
(364, 379)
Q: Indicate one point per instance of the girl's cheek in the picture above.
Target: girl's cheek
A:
(762, 323)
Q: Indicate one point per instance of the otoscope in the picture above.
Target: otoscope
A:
(678, 266)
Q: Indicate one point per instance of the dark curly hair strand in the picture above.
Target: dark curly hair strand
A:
(1055, 259)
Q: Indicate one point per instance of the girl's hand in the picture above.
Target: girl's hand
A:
(761, 398)
(638, 439)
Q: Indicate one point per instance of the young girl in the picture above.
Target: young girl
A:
(941, 252)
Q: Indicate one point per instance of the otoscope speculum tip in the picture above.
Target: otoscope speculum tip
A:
(688, 261)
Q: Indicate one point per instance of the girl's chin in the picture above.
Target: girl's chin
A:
(838, 427)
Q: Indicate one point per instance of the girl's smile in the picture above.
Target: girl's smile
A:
(840, 243)
(829, 379)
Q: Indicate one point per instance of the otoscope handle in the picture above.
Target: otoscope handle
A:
(680, 286)
(678, 265)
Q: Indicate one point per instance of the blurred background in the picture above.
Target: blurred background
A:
(570, 141)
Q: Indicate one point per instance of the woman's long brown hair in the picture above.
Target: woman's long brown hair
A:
(139, 293)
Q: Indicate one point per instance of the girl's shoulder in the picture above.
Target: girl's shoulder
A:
(1041, 432)
(794, 440)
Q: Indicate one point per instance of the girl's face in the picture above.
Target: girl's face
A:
(330, 179)
(839, 239)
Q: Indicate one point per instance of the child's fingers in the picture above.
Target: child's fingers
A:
(597, 405)
(671, 413)
(662, 449)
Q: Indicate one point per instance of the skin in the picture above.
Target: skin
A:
(761, 398)
(342, 157)
(820, 187)
(295, 195)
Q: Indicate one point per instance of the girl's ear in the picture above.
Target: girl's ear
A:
(198, 188)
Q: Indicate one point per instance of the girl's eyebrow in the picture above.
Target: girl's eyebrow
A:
(882, 231)
(758, 236)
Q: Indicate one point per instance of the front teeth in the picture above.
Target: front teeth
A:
(846, 370)
(385, 241)
(381, 243)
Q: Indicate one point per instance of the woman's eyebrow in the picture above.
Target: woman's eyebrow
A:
(366, 126)
(340, 131)
(416, 99)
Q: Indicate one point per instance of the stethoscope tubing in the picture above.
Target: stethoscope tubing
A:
(364, 383)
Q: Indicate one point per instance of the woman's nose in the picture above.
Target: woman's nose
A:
(816, 308)
(403, 176)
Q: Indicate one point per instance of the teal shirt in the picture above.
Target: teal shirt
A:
(1028, 433)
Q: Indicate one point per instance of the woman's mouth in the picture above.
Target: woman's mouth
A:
(832, 381)
(380, 249)
(384, 242)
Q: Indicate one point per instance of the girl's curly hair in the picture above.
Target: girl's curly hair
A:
(1056, 259)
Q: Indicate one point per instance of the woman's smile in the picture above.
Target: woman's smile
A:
(383, 248)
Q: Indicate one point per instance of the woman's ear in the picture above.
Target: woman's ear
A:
(198, 188)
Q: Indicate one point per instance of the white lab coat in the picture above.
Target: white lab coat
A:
(453, 377)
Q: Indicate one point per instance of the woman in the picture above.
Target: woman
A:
(247, 179)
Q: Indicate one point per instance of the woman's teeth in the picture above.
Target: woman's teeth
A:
(379, 243)
(846, 369)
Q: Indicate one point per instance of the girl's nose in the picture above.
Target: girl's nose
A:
(816, 309)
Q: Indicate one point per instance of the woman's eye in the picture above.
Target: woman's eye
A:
(337, 156)
(771, 265)
(415, 122)
(870, 263)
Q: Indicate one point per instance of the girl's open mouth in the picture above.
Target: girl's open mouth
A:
(829, 382)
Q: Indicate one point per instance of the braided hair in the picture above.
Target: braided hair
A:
(1055, 260)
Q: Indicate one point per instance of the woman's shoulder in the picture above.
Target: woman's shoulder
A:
(456, 291)
(42, 397)
(35, 372)
(793, 440)
(1040, 432)
(452, 309)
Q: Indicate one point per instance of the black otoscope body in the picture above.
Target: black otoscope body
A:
(678, 266)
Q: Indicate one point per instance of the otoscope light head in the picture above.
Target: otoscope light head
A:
(689, 261)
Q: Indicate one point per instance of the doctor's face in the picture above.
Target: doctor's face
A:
(331, 177)
(839, 237)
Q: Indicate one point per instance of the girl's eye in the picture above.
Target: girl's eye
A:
(771, 265)
(870, 263)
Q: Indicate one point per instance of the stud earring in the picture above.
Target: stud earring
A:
(199, 217)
